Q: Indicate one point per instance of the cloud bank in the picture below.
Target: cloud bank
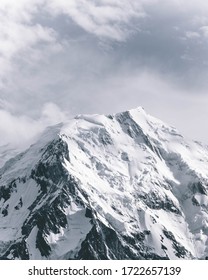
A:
(21, 131)
(90, 56)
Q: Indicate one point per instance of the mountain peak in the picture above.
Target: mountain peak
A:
(138, 109)
(123, 186)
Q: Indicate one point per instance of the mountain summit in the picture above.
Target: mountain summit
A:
(122, 186)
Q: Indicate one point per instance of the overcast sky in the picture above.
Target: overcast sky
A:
(59, 58)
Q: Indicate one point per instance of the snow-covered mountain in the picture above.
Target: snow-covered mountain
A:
(123, 186)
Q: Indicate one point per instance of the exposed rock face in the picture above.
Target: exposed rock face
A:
(125, 186)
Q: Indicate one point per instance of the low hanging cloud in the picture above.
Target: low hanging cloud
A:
(52, 114)
(21, 131)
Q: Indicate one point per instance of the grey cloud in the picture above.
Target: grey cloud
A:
(108, 19)
(20, 131)
(153, 55)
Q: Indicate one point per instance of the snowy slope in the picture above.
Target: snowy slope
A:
(7, 152)
(123, 186)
